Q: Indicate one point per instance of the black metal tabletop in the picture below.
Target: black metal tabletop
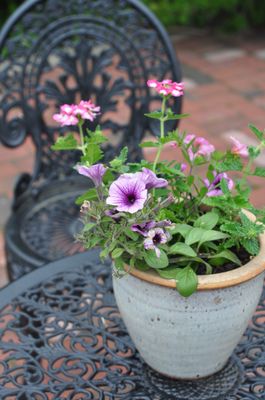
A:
(62, 337)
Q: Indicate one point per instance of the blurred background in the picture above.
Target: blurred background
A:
(221, 47)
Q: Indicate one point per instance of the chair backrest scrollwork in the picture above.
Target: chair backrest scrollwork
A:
(55, 51)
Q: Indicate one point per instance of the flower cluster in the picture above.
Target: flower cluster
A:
(70, 114)
(166, 87)
(172, 217)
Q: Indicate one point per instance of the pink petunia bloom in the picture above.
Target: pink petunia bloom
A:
(238, 148)
(166, 87)
(155, 237)
(95, 172)
(151, 180)
(214, 188)
(127, 193)
(183, 167)
(199, 147)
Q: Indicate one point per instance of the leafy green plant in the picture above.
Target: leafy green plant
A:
(163, 215)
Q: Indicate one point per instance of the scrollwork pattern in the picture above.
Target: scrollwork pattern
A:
(64, 339)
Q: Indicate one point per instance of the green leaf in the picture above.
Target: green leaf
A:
(232, 162)
(168, 273)
(155, 115)
(228, 255)
(93, 154)
(119, 263)
(183, 229)
(194, 236)
(117, 252)
(149, 144)
(259, 171)
(132, 235)
(251, 245)
(170, 116)
(224, 187)
(141, 265)
(182, 248)
(259, 134)
(88, 227)
(156, 262)
(65, 143)
(207, 221)
(121, 159)
(91, 194)
(187, 281)
(210, 236)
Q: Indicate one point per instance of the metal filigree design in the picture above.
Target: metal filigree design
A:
(59, 52)
(61, 337)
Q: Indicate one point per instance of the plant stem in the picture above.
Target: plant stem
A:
(162, 132)
(80, 124)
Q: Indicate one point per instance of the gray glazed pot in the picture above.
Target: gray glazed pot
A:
(191, 337)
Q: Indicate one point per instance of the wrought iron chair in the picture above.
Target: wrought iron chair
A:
(54, 52)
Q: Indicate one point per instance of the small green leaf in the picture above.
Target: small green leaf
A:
(65, 143)
(251, 245)
(168, 273)
(259, 134)
(170, 116)
(88, 227)
(117, 252)
(228, 255)
(183, 229)
(187, 281)
(141, 265)
(132, 235)
(259, 171)
(91, 194)
(119, 263)
(194, 236)
(210, 236)
(156, 262)
(93, 153)
(182, 248)
(207, 221)
(149, 144)
(155, 115)
(121, 159)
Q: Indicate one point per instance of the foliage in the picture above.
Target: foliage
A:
(229, 16)
(163, 215)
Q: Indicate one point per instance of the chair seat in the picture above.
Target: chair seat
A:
(44, 228)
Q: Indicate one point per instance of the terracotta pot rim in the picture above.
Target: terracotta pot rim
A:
(215, 281)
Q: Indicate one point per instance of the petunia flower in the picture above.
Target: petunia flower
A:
(95, 172)
(145, 227)
(214, 188)
(127, 194)
(151, 180)
(199, 147)
(155, 237)
(239, 148)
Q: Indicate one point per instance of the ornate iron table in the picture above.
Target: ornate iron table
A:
(61, 337)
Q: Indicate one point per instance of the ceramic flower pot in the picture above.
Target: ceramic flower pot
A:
(190, 337)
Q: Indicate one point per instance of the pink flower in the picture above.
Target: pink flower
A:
(166, 87)
(70, 113)
(214, 188)
(239, 148)
(198, 147)
(95, 172)
(127, 193)
(66, 116)
(155, 237)
(183, 167)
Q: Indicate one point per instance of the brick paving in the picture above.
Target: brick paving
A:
(225, 91)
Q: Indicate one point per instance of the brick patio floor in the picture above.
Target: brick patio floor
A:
(225, 91)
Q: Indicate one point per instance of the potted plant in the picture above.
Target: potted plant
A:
(188, 247)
